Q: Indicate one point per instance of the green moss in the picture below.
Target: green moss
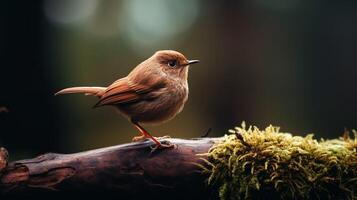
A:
(268, 164)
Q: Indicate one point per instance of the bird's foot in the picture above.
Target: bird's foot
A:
(163, 145)
(139, 138)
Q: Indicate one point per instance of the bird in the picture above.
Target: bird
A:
(154, 92)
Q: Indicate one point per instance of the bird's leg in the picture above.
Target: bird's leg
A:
(139, 138)
(145, 134)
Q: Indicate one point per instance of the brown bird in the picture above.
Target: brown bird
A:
(154, 92)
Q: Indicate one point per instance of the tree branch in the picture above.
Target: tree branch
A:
(128, 171)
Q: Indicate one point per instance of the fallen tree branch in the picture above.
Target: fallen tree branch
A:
(124, 171)
(247, 164)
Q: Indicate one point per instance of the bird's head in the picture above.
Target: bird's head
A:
(172, 63)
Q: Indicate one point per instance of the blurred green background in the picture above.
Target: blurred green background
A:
(289, 63)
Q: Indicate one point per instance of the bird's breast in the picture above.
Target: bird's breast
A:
(164, 105)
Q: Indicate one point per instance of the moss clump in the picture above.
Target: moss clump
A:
(267, 164)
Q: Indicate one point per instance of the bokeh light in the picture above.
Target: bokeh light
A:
(150, 23)
(70, 12)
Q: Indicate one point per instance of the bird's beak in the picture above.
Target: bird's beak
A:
(192, 62)
(189, 62)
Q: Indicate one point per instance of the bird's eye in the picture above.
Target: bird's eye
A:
(172, 63)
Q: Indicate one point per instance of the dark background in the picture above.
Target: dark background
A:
(286, 63)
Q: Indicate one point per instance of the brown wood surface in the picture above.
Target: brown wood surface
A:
(128, 171)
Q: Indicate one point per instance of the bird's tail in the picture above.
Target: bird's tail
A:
(95, 91)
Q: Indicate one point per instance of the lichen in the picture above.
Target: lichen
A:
(268, 164)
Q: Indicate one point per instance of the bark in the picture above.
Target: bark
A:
(128, 171)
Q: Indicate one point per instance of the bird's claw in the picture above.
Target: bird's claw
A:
(163, 145)
(139, 138)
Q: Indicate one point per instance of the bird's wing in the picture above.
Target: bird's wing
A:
(125, 91)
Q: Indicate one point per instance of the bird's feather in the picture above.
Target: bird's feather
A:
(96, 91)
(125, 91)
